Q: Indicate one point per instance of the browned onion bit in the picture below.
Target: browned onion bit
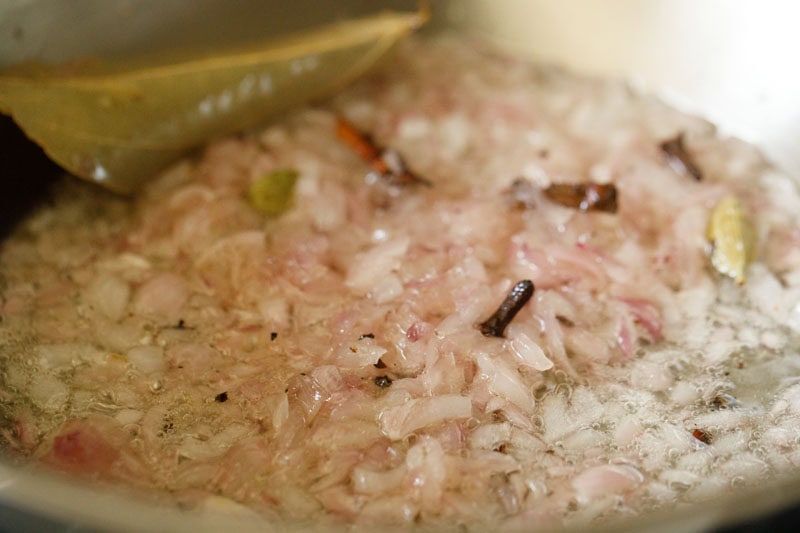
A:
(679, 159)
(519, 295)
(386, 162)
(724, 401)
(383, 381)
(584, 196)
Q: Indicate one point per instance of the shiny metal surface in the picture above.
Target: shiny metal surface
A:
(730, 60)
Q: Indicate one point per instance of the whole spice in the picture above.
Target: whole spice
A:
(519, 295)
(679, 159)
(272, 194)
(388, 163)
(584, 196)
(731, 237)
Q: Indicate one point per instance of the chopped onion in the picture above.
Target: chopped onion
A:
(60, 355)
(426, 464)
(48, 392)
(109, 295)
(370, 268)
(147, 359)
(490, 436)
(651, 376)
(527, 350)
(627, 431)
(358, 354)
(397, 422)
(128, 416)
(505, 381)
(368, 481)
(281, 413)
(391, 509)
(606, 479)
(345, 433)
(327, 364)
(162, 295)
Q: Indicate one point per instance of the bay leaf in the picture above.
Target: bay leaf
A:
(118, 123)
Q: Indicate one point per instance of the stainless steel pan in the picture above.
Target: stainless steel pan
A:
(733, 61)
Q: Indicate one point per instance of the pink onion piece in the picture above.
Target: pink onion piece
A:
(397, 422)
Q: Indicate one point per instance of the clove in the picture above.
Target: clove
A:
(519, 295)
